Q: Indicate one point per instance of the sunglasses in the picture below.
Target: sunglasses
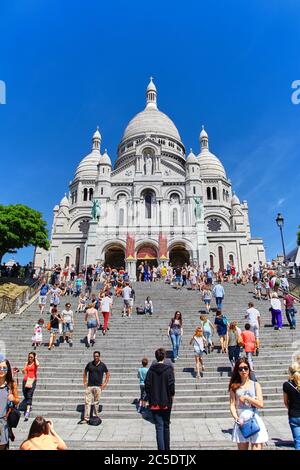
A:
(241, 369)
(3, 369)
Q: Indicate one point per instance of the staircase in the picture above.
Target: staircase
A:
(60, 392)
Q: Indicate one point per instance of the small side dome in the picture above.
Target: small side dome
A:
(235, 200)
(192, 158)
(64, 202)
(56, 208)
(105, 159)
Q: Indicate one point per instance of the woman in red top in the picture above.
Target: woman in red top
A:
(29, 381)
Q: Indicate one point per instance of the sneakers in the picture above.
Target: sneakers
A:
(83, 421)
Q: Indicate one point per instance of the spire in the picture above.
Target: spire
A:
(151, 95)
(203, 139)
(97, 140)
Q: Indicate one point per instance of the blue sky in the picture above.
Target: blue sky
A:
(69, 66)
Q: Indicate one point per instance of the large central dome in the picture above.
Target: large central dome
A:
(151, 120)
(154, 121)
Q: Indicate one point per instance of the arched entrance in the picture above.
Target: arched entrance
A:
(115, 256)
(146, 253)
(179, 255)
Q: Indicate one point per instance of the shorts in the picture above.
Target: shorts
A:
(255, 329)
(198, 353)
(91, 324)
(68, 327)
(42, 300)
(207, 301)
(54, 331)
(131, 302)
(127, 302)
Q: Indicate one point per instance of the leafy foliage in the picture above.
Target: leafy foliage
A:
(21, 226)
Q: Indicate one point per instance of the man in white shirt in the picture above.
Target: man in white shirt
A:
(126, 294)
(218, 293)
(253, 318)
(106, 309)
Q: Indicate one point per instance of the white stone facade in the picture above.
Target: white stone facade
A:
(150, 194)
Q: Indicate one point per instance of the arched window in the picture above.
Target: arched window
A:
(214, 193)
(227, 195)
(85, 194)
(121, 216)
(211, 262)
(221, 258)
(101, 191)
(194, 189)
(91, 191)
(72, 198)
(208, 192)
(175, 217)
(67, 261)
(231, 259)
(148, 202)
(75, 196)
(224, 195)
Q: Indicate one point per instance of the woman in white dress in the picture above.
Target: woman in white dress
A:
(245, 398)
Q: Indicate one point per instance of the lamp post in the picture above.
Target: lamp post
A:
(280, 223)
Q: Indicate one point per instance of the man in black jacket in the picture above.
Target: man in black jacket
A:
(160, 389)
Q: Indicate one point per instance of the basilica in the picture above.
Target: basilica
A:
(154, 204)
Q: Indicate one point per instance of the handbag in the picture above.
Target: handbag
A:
(13, 417)
(239, 341)
(249, 427)
(29, 382)
(48, 326)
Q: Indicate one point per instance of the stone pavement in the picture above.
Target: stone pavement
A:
(135, 434)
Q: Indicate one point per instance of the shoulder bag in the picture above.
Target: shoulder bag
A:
(251, 426)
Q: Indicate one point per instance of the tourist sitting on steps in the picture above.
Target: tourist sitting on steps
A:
(148, 306)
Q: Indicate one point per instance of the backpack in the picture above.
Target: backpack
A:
(140, 310)
(225, 321)
(95, 421)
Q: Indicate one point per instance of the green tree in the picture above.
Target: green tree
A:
(21, 226)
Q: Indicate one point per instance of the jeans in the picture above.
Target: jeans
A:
(219, 301)
(176, 340)
(290, 316)
(162, 426)
(295, 428)
(208, 337)
(234, 354)
(28, 392)
(249, 357)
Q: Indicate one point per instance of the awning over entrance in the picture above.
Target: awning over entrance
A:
(147, 252)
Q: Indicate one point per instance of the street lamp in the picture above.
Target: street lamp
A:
(280, 223)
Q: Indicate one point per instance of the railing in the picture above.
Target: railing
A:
(295, 286)
(13, 305)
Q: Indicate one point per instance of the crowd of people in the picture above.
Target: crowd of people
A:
(95, 288)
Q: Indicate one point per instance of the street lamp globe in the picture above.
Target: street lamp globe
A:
(279, 220)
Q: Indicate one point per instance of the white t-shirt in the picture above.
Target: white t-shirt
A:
(67, 316)
(106, 302)
(276, 304)
(126, 293)
(253, 315)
